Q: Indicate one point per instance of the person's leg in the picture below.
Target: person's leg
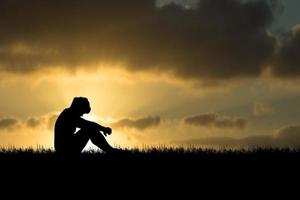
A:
(81, 139)
(96, 138)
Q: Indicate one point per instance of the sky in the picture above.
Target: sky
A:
(205, 73)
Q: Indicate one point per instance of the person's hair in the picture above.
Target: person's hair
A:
(81, 104)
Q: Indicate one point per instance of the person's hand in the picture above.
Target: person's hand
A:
(107, 131)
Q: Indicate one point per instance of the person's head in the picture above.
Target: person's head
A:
(81, 105)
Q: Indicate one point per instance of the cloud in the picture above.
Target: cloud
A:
(8, 123)
(289, 135)
(261, 109)
(287, 60)
(286, 137)
(47, 121)
(140, 124)
(34, 122)
(215, 40)
(216, 120)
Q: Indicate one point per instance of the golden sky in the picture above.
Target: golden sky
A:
(213, 73)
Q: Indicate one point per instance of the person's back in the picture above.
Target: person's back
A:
(65, 138)
(64, 130)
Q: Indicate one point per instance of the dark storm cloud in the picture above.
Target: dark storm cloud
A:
(216, 40)
(216, 120)
(287, 60)
(285, 137)
(140, 124)
(8, 123)
(41, 33)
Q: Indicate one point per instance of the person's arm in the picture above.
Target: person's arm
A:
(82, 123)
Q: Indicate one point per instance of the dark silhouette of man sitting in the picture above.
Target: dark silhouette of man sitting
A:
(65, 138)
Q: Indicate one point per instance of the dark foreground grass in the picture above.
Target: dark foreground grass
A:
(160, 154)
(158, 165)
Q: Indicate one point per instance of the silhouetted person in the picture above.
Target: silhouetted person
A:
(65, 138)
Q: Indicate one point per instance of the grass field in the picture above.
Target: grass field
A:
(156, 154)
(174, 166)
